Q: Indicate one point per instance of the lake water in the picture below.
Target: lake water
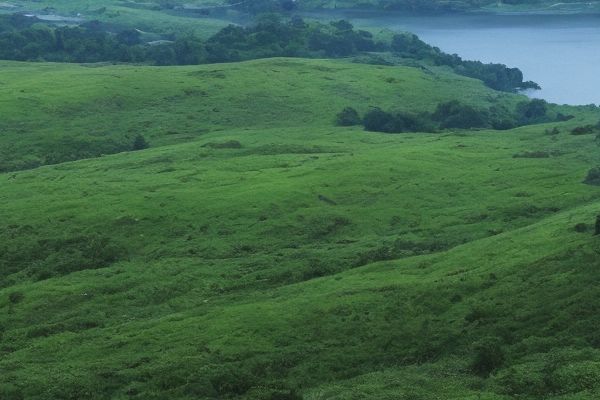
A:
(560, 52)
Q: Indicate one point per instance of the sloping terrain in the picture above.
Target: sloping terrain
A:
(63, 112)
(271, 255)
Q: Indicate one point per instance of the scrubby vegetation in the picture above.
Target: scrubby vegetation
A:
(453, 115)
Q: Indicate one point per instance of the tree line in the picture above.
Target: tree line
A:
(26, 39)
(452, 115)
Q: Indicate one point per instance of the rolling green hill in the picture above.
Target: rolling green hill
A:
(68, 112)
(257, 251)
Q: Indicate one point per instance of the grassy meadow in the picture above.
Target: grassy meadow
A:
(63, 112)
(257, 251)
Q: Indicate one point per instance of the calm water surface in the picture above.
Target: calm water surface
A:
(561, 53)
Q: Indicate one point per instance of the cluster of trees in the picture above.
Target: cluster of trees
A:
(448, 115)
(25, 39)
(272, 37)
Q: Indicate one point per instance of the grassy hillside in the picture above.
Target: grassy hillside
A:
(59, 112)
(271, 255)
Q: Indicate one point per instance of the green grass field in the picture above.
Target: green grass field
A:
(256, 251)
(67, 112)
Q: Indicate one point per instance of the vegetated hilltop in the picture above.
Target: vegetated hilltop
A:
(270, 36)
(259, 252)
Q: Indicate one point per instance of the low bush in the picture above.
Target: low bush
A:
(593, 177)
(381, 121)
(532, 112)
(348, 117)
(532, 154)
(584, 130)
(230, 144)
(453, 114)
(488, 356)
(139, 143)
(15, 297)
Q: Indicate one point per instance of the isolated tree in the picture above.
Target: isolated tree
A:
(139, 143)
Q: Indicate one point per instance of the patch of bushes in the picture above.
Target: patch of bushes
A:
(139, 143)
(581, 227)
(488, 356)
(15, 297)
(381, 121)
(532, 112)
(453, 115)
(593, 177)
(230, 144)
(348, 117)
(532, 154)
(586, 129)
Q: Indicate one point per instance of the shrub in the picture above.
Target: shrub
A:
(584, 130)
(378, 120)
(488, 356)
(503, 124)
(15, 297)
(580, 227)
(532, 111)
(453, 114)
(563, 117)
(139, 143)
(593, 177)
(230, 144)
(348, 117)
(532, 154)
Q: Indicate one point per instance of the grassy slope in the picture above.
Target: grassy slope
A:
(233, 277)
(71, 106)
